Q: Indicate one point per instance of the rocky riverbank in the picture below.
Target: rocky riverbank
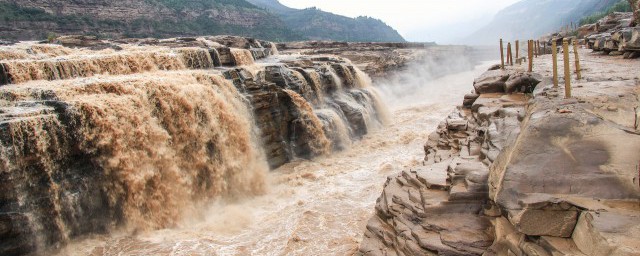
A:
(519, 170)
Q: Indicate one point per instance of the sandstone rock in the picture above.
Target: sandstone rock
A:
(494, 67)
(82, 41)
(603, 233)
(491, 82)
(558, 222)
(632, 42)
(559, 246)
(590, 163)
(522, 82)
(469, 99)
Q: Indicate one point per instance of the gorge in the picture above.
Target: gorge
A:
(232, 145)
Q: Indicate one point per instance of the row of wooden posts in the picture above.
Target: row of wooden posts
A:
(535, 49)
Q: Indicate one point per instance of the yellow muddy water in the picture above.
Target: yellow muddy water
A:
(311, 207)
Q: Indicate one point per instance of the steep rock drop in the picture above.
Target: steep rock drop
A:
(138, 136)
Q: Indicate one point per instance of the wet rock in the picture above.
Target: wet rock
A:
(4, 75)
(82, 41)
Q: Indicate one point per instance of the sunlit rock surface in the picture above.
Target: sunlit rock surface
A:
(524, 174)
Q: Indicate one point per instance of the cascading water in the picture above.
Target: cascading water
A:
(113, 63)
(336, 128)
(242, 57)
(160, 145)
(139, 139)
(311, 133)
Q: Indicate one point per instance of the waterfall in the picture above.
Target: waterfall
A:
(313, 80)
(335, 126)
(119, 63)
(242, 57)
(93, 141)
(160, 144)
(308, 130)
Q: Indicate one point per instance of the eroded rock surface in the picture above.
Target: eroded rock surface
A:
(524, 174)
(380, 59)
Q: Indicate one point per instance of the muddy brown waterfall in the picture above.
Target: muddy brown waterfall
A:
(138, 136)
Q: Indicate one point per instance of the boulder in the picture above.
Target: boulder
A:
(491, 81)
(633, 40)
(606, 233)
(494, 67)
(469, 99)
(522, 82)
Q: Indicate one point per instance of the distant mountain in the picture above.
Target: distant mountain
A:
(533, 18)
(35, 19)
(315, 24)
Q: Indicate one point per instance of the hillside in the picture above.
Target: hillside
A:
(533, 18)
(315, 24)
(35, 19)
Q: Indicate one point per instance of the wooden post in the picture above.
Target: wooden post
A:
(540, 52)
(567, 71)
(517, 49)
(501, 54)
(544, 48)
(577, 57)
(535, 49)
(554, 53)
(510, 53)
(530, 53)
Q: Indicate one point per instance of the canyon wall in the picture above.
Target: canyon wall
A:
(38, 19)
(97, 136)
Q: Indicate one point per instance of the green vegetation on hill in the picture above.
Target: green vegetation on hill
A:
(542, 17)
(264, 19)
(28, 23)
(315, 24)
(621, 6)
(180, 5)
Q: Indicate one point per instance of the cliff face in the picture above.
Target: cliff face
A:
(315, 24)
(35, 19)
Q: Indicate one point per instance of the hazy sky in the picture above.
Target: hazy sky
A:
(442, 21)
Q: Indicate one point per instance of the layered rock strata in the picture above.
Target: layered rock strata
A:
(381, 59)
(521, 174)
(133, 134)
(615, 34)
